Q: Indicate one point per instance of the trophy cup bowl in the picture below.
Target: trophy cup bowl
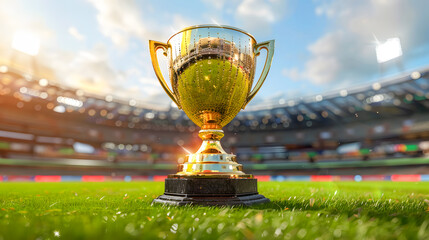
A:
(211, 70)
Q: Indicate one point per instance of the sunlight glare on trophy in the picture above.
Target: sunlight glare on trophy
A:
(186, 150)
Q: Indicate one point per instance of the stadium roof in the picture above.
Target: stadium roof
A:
(399, 95)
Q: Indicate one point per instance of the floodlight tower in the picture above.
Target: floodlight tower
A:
(26, 42)
(26, 45)
(387, 51)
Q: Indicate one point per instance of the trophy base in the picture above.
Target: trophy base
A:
(210, 191)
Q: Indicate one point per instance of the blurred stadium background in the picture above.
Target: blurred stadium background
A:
(346, 100)
(375, 130)
(78, 96)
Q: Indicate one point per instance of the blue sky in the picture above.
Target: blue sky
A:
(102, 46)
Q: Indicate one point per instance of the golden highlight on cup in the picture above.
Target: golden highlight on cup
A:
(211, 72)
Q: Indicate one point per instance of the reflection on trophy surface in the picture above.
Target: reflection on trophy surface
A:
(211, 70)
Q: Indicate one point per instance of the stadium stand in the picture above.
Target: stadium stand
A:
(42, 120)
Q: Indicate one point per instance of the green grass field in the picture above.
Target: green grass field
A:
(299, 210)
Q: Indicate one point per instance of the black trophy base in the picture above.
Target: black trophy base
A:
(211, 192)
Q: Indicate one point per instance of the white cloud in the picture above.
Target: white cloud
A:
(92, 72)
(11, 19)
(259, 15)
(257, 10)
(76, 34)
(179, 22)
(292, 74)
(119, 20)
(122, 21)
(87, 70)
(255, 16)
(218, 5)
(347, 53)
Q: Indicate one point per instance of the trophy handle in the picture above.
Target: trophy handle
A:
(153, 47)
(269, 46)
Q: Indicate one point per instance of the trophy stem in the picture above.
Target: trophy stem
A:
(211, 159)
(211, 141)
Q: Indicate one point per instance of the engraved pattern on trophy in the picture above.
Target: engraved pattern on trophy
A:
(211, 72)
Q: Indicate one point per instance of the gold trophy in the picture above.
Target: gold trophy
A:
(211, 70)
